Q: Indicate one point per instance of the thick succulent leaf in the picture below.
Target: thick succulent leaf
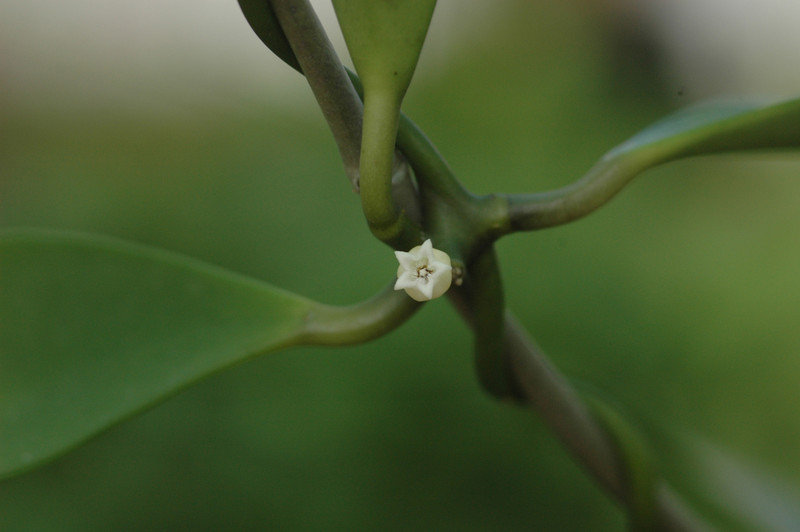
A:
(93, 330)
(262, 19)
(706, 129)
(717, 127)
(384, 39)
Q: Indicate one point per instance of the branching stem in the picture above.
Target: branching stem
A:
(364, 321)
(538, 384)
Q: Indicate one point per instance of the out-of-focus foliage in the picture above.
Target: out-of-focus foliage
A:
(679, 299)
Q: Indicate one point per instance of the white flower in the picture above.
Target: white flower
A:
(425, 273)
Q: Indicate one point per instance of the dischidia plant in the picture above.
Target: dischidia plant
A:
(60, 384)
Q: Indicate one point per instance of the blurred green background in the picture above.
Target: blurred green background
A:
(680, 299)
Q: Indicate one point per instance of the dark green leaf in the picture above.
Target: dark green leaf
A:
(384, 39)
(718, 127)
(261, 17)
(93, 330)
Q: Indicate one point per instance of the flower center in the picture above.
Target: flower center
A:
(423, 272)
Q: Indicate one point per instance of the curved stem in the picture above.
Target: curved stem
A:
(543, 389)
(487, 216)
(421, 153)
(381, 116)
(540, 386)
(484, 292)
(341, 105)
(701, 130)
(427, 162)
(556, 207)
(362, 322)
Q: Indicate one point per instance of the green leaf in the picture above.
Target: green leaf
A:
(384, 38)
(93, 330)
(717, 127)
(262, 19)
(705, 129)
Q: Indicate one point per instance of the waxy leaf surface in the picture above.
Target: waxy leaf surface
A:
(93, 330)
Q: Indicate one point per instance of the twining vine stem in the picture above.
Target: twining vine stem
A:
(547, 392)
(539, 385)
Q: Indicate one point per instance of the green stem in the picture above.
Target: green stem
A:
(343, 110)
(701, 130)
(381, 117)
(634, 460)
(547, 209)
(485, 218)
(427, 162)
(484, 294)
(362, 322)
(539, 386)
(563, 410)
(327, 78)
(560, 406)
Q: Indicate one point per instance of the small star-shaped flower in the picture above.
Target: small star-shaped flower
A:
(425, 273)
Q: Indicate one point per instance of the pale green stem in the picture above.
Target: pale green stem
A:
(362, 322)
(381, 118)
(428, 162)
(732, 129)
(556, 207)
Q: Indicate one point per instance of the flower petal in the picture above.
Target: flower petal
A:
(407, 260)
(427, 288)
(424, 273)
(426, 247)
(407, 280)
